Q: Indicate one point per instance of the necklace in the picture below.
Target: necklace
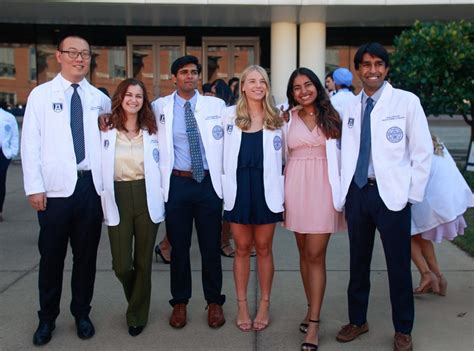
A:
(312, 114)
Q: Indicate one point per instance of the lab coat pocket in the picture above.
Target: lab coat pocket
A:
(52, 177)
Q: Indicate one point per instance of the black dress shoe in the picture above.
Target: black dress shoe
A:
(134, 331)
(85, 328)
(43, 333)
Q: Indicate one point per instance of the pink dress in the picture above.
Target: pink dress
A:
(308, 197)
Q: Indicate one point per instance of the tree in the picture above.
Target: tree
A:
(436, 62)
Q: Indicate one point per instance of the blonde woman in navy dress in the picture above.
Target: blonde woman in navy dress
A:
(253, 188)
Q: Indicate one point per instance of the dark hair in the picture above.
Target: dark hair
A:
(69, 35)
(182, 61)
(3, 104)
(327, 117)
(373, 49)
(146, 117)
(329, 74)
(232, 80)
(207, 88)
(223, 92)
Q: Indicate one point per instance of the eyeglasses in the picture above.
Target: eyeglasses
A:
(74, 54)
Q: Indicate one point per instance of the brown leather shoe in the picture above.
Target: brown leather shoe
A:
(178, 317)
(351, 331)
(215, 315)
(402, 342)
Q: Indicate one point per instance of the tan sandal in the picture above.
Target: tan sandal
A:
(261, 325)
(244, 326)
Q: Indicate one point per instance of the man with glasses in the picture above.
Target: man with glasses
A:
(60, 150)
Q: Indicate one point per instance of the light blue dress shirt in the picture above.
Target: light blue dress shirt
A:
(182, 155)
(376, 96)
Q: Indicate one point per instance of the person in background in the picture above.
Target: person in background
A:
(207, 89)
(9, 142)
(132, 198)
(386, 152)
(234, 86)
(253, 203)
(343, 98)
(311, 185)
(222, 91)
(60, 152)
(329, 84)
(439, 216)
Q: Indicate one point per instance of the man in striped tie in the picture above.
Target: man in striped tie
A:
(60, 152)
(385, 163)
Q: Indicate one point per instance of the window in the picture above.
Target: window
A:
(7, 63)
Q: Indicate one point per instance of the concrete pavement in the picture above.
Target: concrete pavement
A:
(442, 323)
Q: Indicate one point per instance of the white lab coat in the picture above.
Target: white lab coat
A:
(342, 100)
(47, 150)
(273, 179)
(447, 196)
(154, 193)
(333, 155)
(401, 147)
(8, 134)
(208, 114)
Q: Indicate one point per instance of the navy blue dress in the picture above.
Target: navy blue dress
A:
(250, 206)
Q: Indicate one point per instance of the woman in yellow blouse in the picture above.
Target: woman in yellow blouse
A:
(132, 199)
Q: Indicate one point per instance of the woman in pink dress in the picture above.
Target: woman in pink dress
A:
(311, 184)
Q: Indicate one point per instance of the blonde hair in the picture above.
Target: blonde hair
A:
(438, 147)
(271, 119)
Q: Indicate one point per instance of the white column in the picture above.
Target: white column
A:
(283, 57)
(313, 47)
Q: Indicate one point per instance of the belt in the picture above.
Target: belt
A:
(371, 181)
(188, 174)
(83, 174)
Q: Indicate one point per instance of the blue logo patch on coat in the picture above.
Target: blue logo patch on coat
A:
(230, 128)
(106, 144)
(217, 132)
(394, 134)
(277, 143)
(156, 155)
(57, 107)
(350, 122)
(7, 128)
(162, 119)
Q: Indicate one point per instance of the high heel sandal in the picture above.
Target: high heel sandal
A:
(261, 325)
(443, 285)
(428, 283)
(307, 346)
(159, 253)
(304, 326)
(244, 326)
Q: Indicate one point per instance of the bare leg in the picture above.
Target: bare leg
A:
(428, 250)
(263, 236)
(315, 253)
(428, 280)
(243, 239)
(300, 242)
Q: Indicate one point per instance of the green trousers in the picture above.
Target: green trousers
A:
(132, 243)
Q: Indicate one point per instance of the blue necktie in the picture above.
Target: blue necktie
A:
(77, 125)
(194, 146)
(362, 169)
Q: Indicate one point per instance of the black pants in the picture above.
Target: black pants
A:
(4, 163)
(77, 219)
(365, 212)
(189, 200)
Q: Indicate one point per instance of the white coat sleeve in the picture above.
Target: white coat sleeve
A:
(31, 146)
(420, 148)
(11, 150)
